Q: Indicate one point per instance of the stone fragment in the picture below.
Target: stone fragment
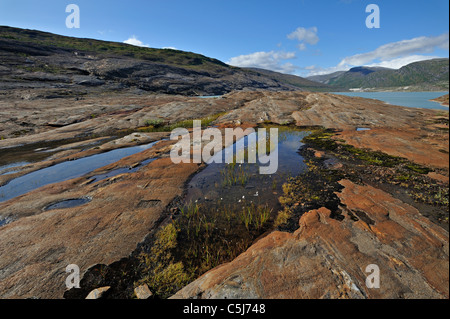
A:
(97, 293)
(142, 292)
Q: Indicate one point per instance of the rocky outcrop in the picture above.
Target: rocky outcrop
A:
(429, 149)
(38, 245)
(324, 258)
(420, 135)
(328, 258)
(60, 66)
(443, 100)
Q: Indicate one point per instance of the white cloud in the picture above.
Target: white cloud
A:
(266, 60)
(317, 70)
(391, 55)
(301, 46)
(306, 35)
(133, 40)
(400, 62)
(399, 49)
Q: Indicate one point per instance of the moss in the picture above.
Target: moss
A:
(157, 125)
(283, 216)
(154, 123)
(418, 168)
(313, 189)
(323, 139)
(376, 166)
(404, 177)
(163, 275)
(168, 280)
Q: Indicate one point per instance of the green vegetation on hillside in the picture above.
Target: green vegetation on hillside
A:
(429, 74)
(293, 80)
(165, 56)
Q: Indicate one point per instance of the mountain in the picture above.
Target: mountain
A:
(294, 80)
(37, 60)
(325, 78)
(427, 75)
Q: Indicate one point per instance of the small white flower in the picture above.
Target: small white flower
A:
(243, 197)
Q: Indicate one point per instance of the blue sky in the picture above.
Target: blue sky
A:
(303, 37)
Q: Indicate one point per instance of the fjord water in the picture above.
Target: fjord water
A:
(65, 171)
(409, 99)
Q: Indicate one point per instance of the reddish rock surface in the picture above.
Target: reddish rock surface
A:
(443, 100)
(38, 245)
(422, 147)
(327, 258)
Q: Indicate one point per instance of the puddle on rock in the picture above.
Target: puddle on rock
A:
(242, 183)
(209, 96)
(228, 206)
(5, 221)
(17, 156)
(68, 203)
(11, 168)
(65, 171)
(122, 170)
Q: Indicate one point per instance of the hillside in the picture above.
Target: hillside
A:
(61, 65)
(325, 78)
(425, 75)
(294, 80)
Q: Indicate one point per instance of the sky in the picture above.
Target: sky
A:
(301, 37)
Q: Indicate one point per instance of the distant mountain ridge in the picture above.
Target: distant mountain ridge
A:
(293, 80)
(428, 75)
(31, 59)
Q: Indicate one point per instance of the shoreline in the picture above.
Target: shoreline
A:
(442, 100)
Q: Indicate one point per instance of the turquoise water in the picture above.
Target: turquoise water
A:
(209, 96)
(409, 99)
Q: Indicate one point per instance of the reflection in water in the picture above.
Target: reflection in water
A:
(69, 203)
(241, 183)
(65, 171)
